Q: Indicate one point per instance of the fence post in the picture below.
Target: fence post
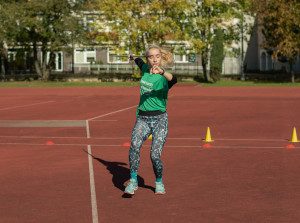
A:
(175, 69)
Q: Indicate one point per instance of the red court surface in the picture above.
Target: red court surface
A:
(246, 176)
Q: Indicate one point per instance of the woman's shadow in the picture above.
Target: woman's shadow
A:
(120, 175)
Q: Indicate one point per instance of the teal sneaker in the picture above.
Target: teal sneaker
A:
(159, 188)
(131, 187)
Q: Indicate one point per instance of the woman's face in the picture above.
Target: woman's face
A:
(154, 57)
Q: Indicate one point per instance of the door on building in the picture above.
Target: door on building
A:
(58, 62)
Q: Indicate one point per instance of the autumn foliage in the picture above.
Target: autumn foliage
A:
(280, 20)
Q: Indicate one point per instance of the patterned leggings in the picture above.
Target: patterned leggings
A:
(144, 126)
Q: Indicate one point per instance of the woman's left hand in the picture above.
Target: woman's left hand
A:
(156, 70)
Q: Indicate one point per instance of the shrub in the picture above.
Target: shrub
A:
(217, 56)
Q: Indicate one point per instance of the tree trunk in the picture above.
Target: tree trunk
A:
(48, 65)
(204, 59)
(292, 73)
(38, 68)
(2, 57)
(204, 71)
(3, 71)
(46, 74)
(36, 61)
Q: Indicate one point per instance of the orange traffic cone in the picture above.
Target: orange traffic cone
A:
(49, 143)
(290, 146)
(207, 145)
(126, 144)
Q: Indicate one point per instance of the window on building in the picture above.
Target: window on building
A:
(58, 61)
(181, 58)
(269, 62)
(115, 57)
(89, 22)
(11, 55)
(85, 55)
(263, 38)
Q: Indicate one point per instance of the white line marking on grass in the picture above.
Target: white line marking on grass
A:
(22, 106)
(100, 116)
(92, 185)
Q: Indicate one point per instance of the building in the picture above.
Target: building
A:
(259, 59)
(95, 59)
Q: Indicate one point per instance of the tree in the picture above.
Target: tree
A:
(280, 20)
(208, 15)
(3, 56)
(217, 56)
(50, 25)
(2, 59)
(135, 24)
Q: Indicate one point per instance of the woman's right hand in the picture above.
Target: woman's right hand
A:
(130, 57)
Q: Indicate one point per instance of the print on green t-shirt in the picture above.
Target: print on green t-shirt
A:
(154, 91)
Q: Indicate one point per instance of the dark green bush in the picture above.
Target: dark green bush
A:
(217, 56)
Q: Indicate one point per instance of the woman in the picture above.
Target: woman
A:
(151, 114)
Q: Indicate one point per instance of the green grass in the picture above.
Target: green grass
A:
(222, 83)
(238, 83)
(67, 84)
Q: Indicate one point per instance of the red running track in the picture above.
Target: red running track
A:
(247, 175)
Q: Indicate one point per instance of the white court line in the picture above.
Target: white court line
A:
(42, 123)
(100, 116)
(271, 140)
(104, 120)
(26, 105)
(197, 146)
(92, 185)
(249, 147)
(216, 139)
(88, 135)
(200, 139)
(61, 137)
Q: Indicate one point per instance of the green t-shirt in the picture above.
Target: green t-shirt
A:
(154, 91)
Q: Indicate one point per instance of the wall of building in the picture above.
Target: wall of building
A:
(252, 55)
